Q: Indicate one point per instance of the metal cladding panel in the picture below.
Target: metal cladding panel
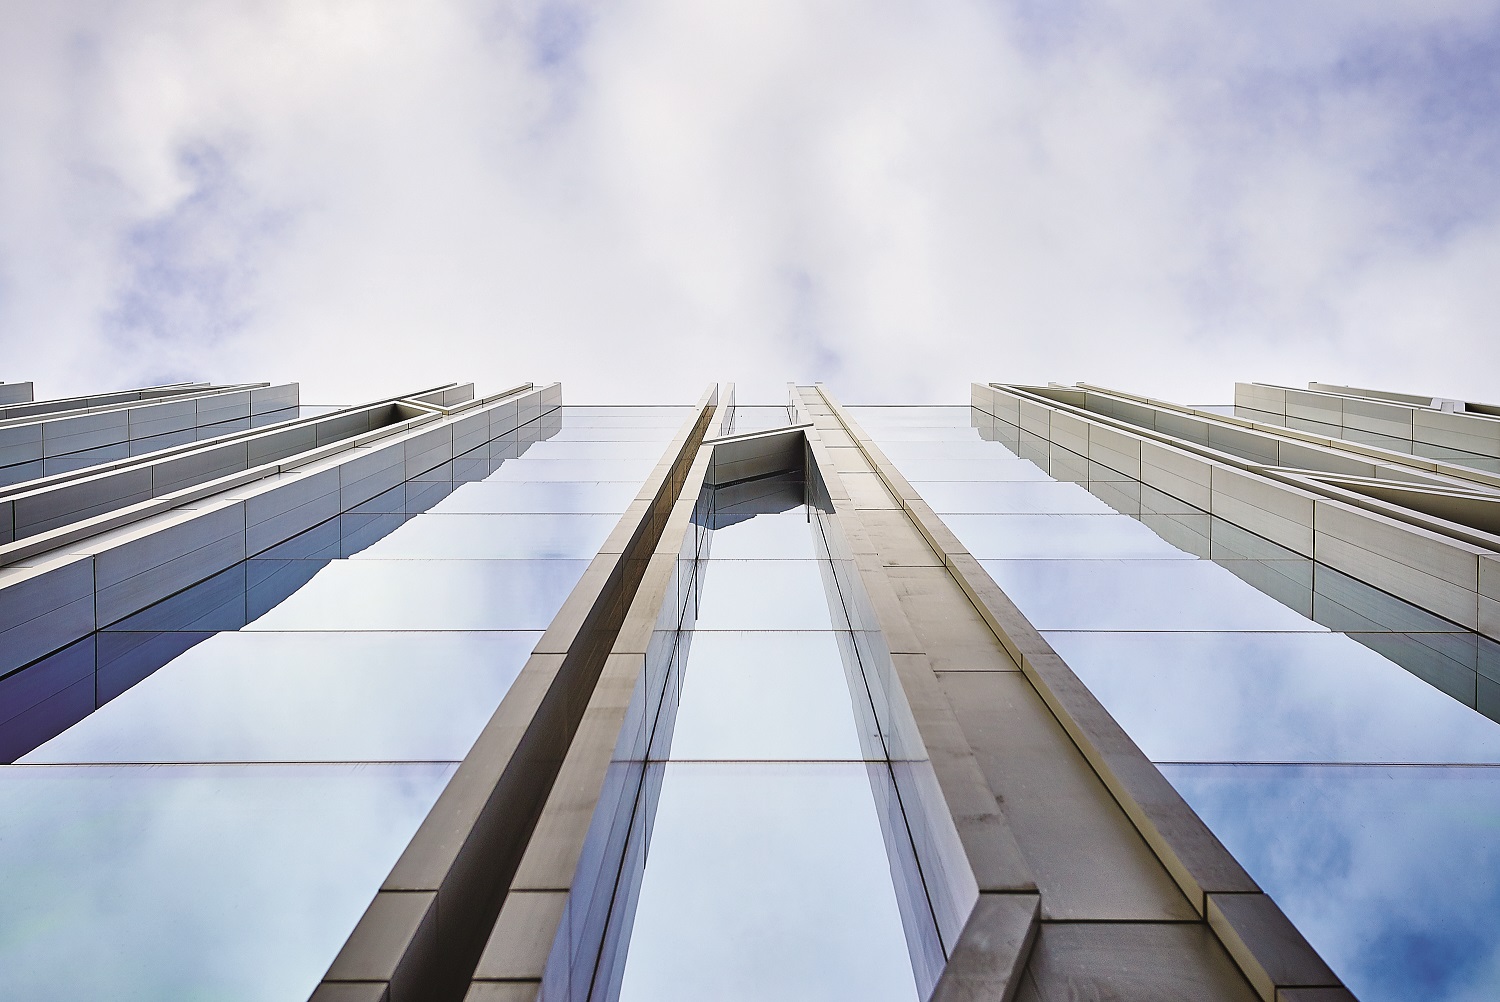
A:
(20, 444)
(503, 418)
(220, 407)
(15, 393)
(162, 418)
(85, 431)
(1383, 419)
(274, 398)
(1459, 431)
(297, 501)
(161, 559)
(281, 444)
(1315, 407)
(44, 608)
(1115, 449)
(371, 472)
(199, 466)
(73, 500)
(1180, 474)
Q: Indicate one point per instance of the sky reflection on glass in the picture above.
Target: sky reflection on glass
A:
(1060, 536)
(763, 595)
(494, 536)
(174, 882)
(765, 695)
(556, 497)
(241, 881)
(1139, 595)
(1392, 873)
(428, 595)
(767, 881)
(305, 697)
(1272, 697)
(1044, 497)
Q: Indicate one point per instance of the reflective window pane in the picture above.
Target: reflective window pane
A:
(1272, 697)
(178, 882)
(1059, 536)
(764, 595)
(1139, 595)
(767, 881)
(480, 537)
(765, 696)
(527, 468)
(305, 697)
(498, 497)
(428, 595)
(1021, 497)
(885, 417)
(1003, 467)
(785, 535)
(1392, 873)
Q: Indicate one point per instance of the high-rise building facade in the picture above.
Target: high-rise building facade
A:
(1058, 693)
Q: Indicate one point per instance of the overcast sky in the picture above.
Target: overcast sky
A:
(640, 196)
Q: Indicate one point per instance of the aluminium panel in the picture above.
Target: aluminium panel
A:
(1179, 474)
(153, 559)
(1281, 514)
(44, 606)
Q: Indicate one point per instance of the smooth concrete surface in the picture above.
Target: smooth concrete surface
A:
(989, 960)
(1119, 857)
(1131, 962)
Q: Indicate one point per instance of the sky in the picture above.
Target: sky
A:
(642, 196)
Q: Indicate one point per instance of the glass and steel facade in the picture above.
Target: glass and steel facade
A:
(1059, 691)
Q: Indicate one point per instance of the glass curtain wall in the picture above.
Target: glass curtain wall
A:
(1362, 799)
(270, 740)
(770, 857)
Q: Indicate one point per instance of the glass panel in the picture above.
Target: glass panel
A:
(787, 535)
(767, 881)
(884, 417)
(560, 497)
(612, 433)
(1059, 536)
(970, 448)
(527, 468)
(919, 433)
(305, 697)
(765, 696)
(1001, 468)
(587, 417)
(1272, 697)
(1392, 873)
(1034, 497)
(1149, 595)
(178, 882)
(428, 595)
(764, 595)
(479, 537)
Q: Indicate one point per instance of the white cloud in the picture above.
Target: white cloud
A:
(640, 197)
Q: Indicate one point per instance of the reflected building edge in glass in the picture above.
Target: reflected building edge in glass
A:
(1061, 691)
